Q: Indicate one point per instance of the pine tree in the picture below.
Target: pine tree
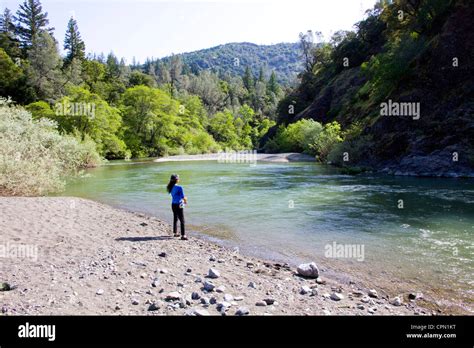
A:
(8, 39)
(44, 71)
(261, 75)
(30, 22)
(248, 79)
(73, 43)
(273, 86)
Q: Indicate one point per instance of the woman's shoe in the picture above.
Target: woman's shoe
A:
(184, 238)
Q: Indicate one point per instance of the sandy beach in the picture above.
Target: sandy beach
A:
(88, 258)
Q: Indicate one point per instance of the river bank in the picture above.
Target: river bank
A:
(94, 259)
(241, 157)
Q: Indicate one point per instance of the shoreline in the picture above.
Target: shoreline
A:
(95, 259)
(240, 157)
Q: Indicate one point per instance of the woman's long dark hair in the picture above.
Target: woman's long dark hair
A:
(174, 178)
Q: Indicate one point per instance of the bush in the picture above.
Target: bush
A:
(34, 157)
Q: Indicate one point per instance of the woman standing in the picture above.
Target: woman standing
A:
(177, 205)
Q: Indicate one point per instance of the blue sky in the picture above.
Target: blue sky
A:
(157, 28)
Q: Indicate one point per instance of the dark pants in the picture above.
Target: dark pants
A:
(178, 213)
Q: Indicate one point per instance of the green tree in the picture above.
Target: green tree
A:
(44, 71)
(73, 43)
(31, 21)
(10, 75)
(8, 39)
(248, 79)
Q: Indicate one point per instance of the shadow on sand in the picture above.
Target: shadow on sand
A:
(143, 239)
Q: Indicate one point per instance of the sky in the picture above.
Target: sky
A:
(158, 28)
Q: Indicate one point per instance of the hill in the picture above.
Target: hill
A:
(233, 58)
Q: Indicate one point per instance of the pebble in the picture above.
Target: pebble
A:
(208, 286)
(155, 283)
(269, 301)
(252, 285)
(100, 292)
(205, 301)
(163, 254)
(261, 304)
(223, 306)
(228, 298)
(212, 258)
(242, 311)
(201, 312)
(173, 296)
(396, 302)
(239, 298)
(195, 296)
(213, 300)
(153, 307)
(213, 273)
(373, 293)
(361, 306)
(220, 289)
(337, 296)
(320, 281)
(365, 299)
(305, 290)
(135, 301)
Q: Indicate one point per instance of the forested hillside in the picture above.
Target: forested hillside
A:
(405, 53)
(233, 58)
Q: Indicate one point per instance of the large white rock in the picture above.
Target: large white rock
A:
(308, 270)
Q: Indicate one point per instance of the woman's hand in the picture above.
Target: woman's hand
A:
(185, 199)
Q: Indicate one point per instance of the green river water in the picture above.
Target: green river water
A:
(293, 212)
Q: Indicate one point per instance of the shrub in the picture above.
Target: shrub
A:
(34, 157)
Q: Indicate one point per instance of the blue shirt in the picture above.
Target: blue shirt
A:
(177, 193)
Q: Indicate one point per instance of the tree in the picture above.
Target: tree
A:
(44, 71)
(31, 21)
(73, 43)
(248, 79)
(10, 75)
(272, 85)
(176, 68)
(8, 39)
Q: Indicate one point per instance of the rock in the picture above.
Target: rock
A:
(239, 298)
(143, 224)
(242, 311)
(118, 289)
(162, 254)
(361, 306)
(212, 258)
(201, 312)
(308, 270)
(5, 287)
(213, 300)
(415, 296)
(153, 307)
(100, 292)
(326, 312)
(252, 285)
(373, 293)
(320, 281)
(205, 301)
(195, 296)
(396, 302)
(149, 292)
(189, 270)
(155, 283)
(372, 310)
(221, 261)
(305, 290)
(173, 296)
(261, 304)
(213, 273)
(365, 299)
(269, 301)
(337, 296)
(228, 298)
(135, 302)
(117, 308)
(143, 275)
(223, 306)
(220, 289)
(208, 286)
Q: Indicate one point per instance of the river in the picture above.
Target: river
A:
(406, 234)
